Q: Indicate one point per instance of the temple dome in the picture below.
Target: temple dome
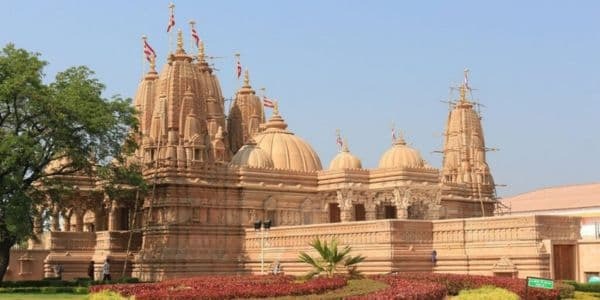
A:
(251, 155)
(401, 156)
(345, 160)
(286, 149)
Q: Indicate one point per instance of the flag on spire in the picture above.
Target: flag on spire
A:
(196, 37)
(339, 140)
(171, 18)
(393, 134)
(238, 69)
(148, 51)
(268, 102)
(466, 80)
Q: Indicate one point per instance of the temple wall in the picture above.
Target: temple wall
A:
(26, 265)
(507, 246)
(588, 253)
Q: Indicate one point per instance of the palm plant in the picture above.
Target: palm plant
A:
(331, 260)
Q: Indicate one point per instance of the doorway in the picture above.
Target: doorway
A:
(564, 262)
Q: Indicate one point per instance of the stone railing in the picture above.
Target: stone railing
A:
(118, 240)
(72, 241)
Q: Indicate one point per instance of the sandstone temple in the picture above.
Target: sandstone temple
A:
(214, 171)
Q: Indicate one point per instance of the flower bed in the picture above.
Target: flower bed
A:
(224, 287)
(454, 283)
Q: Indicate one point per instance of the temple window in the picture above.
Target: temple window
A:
(390, 212)
(197, 154)
(334, 213)
(359, 212)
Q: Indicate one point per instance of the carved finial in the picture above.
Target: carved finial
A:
(201, 55)
(464, 88)
(246, 78)
(345, 145)
(179, 40)
(275, 107)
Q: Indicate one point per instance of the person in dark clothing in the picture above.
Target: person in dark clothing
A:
(91, 270)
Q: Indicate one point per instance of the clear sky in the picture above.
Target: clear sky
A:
(361, 65)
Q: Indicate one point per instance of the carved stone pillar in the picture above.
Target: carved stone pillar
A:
(370, 210)
(55, 226)
(37, 224)
(112, 217)
(78, 220)
(346, 214)
(402, 212)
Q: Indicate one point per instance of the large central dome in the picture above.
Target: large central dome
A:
(286, 149)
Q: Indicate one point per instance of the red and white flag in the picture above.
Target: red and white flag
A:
(268, 102)
(149, 52)
(466, 80)
(196, 37)
(238, 69)
(171, 21)
(393, 134)
(339, 141)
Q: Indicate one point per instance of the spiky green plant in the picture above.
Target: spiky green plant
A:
(331, 260)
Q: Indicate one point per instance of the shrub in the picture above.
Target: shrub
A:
(106, 295)
(487, 292)
(45, 290)
(331, 259)
(566, 291)
(584, 287)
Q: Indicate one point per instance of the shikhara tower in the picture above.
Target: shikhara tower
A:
(465, 172)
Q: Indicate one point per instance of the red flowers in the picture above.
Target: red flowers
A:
(224, 287)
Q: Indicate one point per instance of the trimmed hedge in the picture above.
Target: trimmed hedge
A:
(584, 287)
(46, 290)
(51, 282)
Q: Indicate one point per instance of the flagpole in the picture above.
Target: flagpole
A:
(144, 38)
(172, 11)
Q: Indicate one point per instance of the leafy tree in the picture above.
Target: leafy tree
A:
(67, 120)
(331, 260)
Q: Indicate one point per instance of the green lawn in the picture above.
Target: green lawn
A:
(23, 296)
(353, 288)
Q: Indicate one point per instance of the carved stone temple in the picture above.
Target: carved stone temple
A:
(213, 174)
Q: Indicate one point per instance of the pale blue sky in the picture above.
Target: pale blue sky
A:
(361, 65)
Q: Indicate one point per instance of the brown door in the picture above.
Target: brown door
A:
(359, 212)
(564, 262)
(334, 213)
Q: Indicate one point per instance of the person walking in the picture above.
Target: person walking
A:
(91, 270)
(106, 271)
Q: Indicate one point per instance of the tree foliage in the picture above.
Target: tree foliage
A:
(67, 120)
(331, 260)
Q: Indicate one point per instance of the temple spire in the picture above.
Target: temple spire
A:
(464, 87)
(180, 41)
(246, 78)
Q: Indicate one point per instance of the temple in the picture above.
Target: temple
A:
(214, 174)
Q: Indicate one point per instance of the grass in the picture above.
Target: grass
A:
(353, 288)
(587, 296)
(486, 292)
(23, 296)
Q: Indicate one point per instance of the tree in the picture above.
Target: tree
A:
(331, 259)
(67, 120)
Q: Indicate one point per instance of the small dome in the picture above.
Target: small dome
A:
(401, 156)
(345, 160)
(251, 155)
(285, 149)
